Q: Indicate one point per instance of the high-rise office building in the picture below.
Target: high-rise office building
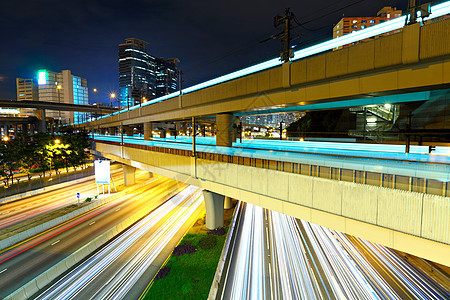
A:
(143, 76)
(56, 87)
(349, 25)
(27, 90)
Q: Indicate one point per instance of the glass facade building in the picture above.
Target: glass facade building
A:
(62, 87)
(143, 76)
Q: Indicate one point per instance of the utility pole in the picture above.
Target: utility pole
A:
(412, 11)
(414, 7)
(180, 81)
(285, 37)
(194, 131)
(408, 130)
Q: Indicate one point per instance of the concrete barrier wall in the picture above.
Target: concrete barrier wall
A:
(406, 221)
(418, 214)
(224, 256)
(32, 287)
(318, 78)
(50, 187)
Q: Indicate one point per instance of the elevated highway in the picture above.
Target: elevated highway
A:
(398, 200)
(413, 60)
(389, 197)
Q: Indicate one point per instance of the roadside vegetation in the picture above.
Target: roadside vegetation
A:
(190, 270)
(41, 153)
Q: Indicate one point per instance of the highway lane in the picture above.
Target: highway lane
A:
(28, 259)
(15, 212)
(113, 271)
(23, 177)
(308, 261)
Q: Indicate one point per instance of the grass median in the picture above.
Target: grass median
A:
(190, 275)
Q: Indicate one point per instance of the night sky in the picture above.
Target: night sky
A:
(210, 38)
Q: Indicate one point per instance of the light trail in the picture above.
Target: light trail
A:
(17, 212)
(393, 24)
(308, 261)
(101, 273)
(27, 259)
(385, 158)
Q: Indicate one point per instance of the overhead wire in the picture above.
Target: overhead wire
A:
(274, 36)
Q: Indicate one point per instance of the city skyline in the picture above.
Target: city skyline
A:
(93, 53)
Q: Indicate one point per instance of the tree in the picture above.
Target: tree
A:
(40, 140)
(9, 151)
(26, 155)
(78, 143)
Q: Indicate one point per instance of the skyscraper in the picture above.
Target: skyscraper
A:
(56, 87)
(27, 90)
(143, 76)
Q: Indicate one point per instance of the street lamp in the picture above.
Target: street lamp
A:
(5, 138)
(57, 141)
(112, 96)
(96, 92)
(281, 130)
(58, 88)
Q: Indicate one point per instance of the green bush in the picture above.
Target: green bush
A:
(207, 242)
(89, 199)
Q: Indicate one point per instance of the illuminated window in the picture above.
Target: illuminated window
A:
(388, 16)
(354, 21)
(362, 26)
(372, 21)
(42, 77)
(337, 26)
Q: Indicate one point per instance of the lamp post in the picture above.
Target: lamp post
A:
(58, 88)
(96, 93)
(281, 130)
(112, 96)
(57, 141)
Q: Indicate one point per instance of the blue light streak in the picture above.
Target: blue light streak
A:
(391, 25)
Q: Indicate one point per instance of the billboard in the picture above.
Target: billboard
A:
(102, 171)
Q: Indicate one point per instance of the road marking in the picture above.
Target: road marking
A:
(3, 271)
(92, 223)
(118, 209)
(56, 242)
(109, 280)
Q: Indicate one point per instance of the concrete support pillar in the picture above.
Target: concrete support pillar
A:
(228, 203)
(128, 130)
(224, 124)
(214, 209)
(162, 133)
(128, 174)
(183, 128)
(41, 125)
(148, 131)
(203, 130)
